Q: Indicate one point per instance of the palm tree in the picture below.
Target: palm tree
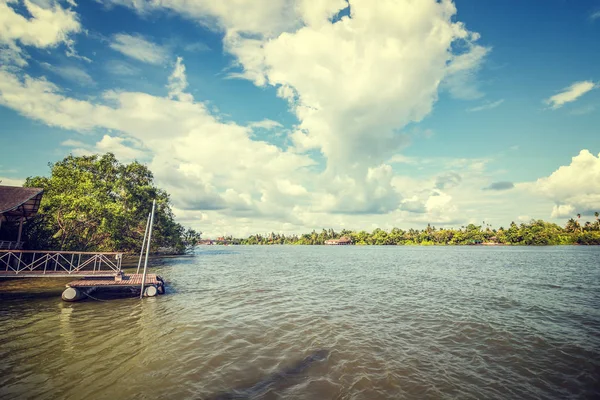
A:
(571, 225)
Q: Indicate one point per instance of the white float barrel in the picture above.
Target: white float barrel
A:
(150, 291)
(72, 294)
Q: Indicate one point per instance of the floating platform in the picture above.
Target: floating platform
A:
(79, 289)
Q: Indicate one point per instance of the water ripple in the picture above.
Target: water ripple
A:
(414, 323)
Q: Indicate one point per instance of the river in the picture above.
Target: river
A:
(313, 322)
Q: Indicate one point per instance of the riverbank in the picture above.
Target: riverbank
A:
(533, 233)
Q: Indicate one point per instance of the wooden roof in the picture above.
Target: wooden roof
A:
(17, 202)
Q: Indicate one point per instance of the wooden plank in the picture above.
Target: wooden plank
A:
(128, 280)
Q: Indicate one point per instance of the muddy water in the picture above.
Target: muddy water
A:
(319, 323)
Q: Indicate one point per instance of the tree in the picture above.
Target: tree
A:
(95, 203)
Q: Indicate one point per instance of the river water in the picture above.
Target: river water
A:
(387, 323)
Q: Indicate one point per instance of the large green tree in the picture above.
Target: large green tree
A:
(97, 203)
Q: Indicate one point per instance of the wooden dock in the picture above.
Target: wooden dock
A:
(127, 280)
(81, 288)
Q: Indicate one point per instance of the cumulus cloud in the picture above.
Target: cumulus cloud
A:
(204, 162)
(47, 27)
(353, 84)
(501, 185)
(344, 80)
(570, 94)
(573, 188)
(139, 48)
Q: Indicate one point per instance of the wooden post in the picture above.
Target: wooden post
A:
(20, 231)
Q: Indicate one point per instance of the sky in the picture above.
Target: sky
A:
(291, 115)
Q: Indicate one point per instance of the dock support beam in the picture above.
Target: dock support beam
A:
(20, 231)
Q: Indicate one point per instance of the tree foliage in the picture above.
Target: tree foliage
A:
(535, 232)
(95, 203)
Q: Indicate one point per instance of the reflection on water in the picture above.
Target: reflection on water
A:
(319, 323)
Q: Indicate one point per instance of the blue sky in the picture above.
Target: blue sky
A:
(292, 115)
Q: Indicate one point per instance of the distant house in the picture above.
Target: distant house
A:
(343, 241)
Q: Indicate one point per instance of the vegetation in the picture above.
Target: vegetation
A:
(536, 232)
(95, 203)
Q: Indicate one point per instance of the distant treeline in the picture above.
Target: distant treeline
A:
(535, 232)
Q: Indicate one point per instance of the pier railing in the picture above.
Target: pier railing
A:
(46, 263)
(10, 245)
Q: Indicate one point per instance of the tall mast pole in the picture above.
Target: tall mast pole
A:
(148, 248)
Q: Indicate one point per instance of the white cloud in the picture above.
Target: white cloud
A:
(139, 48)
(71, 73)
(119, 147)
(570, 94)
(346, 80)
(402, 159)
(395, 50)
(124, 149)
(595, 15)
(265, 124)
(573, 188)
(461, 80)
(205, 163)
(353, 85)
(178, 83)
(49, 26)
(265, 17)
(486, 106)
(11, 181)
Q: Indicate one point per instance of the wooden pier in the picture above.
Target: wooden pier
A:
(97, 269)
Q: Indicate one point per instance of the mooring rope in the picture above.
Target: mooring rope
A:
(92, 297)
